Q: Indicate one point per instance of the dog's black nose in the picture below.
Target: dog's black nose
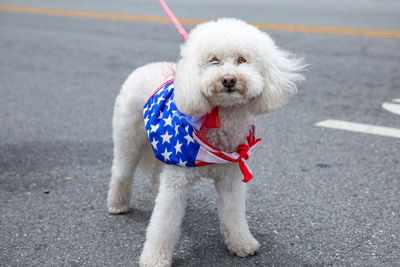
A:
(228, 80)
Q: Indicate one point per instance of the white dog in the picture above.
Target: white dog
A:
(227, 64)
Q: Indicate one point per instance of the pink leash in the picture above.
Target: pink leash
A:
(174, 20)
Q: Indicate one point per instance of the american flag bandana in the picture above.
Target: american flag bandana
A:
(175, 137)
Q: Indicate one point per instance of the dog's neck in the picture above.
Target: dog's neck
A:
(235, 127)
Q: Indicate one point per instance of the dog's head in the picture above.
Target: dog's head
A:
(229, 62)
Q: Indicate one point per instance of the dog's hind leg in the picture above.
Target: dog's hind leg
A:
(129, 139)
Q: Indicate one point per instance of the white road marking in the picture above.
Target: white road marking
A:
(394, 108)
(360, 128)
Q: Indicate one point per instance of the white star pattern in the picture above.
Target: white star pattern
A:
(178, 147)
(182, 163)
(189, 139)
(154, 128)
(168, 104)
(175, 113)
(160, 99)
(176, 129)
(161, 114)
(165, 137)
(154, 143)
(166, 154)
(168, 121)
(146, 120)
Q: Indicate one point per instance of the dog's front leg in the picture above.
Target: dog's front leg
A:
(164, 228)
(232, 214)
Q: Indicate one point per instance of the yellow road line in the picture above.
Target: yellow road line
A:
(377, 33)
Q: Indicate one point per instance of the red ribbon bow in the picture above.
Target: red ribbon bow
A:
(243, 152)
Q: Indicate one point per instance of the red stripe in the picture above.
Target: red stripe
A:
(218, 152)
(202, 163)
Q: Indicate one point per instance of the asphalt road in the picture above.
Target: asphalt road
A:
(319, 197)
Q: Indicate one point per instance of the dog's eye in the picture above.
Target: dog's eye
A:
(214, 60)
(241, 60)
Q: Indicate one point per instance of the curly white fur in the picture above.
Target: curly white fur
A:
(264, 79)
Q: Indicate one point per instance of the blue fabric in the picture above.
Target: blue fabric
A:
(170, 132)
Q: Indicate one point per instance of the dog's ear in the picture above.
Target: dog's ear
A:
(189, 98)
(281, 73)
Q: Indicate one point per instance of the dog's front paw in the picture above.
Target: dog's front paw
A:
(243, 246)
(154, 260)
